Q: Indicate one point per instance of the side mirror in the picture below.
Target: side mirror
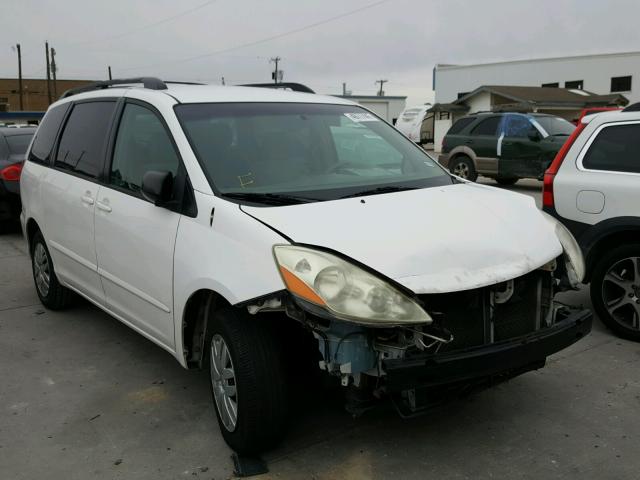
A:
(157, 187)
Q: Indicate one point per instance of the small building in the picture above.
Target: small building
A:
(386, 107)
(603, 73)
(563, 102)
(34, 93)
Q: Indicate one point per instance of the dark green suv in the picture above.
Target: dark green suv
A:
(503, 146)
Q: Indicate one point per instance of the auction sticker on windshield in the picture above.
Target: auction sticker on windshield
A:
(361, 117)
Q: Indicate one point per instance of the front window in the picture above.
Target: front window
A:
(556, 126)
(308, 152)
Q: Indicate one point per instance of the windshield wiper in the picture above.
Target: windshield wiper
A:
(270, 198)
(379, 190)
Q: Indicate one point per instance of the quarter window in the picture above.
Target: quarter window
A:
(46, 134)
(142, 145)
(487, 127)
(84, 137)
(460, 125)
(621, 84)
(616, 148)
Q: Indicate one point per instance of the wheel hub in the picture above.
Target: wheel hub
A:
(223, 383)
(621, 292)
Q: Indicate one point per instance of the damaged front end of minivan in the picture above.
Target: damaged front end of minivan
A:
(381, 339)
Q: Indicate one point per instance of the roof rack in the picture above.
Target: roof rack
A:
(151, 83)
(634, 107)
(296, 87)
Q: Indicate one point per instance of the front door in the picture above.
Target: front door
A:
(521, 154)
(134, 238)
(70, 191)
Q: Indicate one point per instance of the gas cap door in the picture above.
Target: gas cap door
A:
(590, 201)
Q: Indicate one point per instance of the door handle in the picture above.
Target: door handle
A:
(103, 206)
(87, 199)
(469, 142)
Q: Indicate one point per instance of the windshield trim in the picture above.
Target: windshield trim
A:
(445, 179)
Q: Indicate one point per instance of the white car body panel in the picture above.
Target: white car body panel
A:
(420, 238)
(591, 196)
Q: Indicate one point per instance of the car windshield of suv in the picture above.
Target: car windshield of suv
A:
(556, 126)
(18, 144)
(307, 152)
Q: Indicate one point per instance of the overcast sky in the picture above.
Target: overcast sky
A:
(397, 40)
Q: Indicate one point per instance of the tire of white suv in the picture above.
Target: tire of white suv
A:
(52, 295)
(463, 167)
(615, 290)
(248, 381)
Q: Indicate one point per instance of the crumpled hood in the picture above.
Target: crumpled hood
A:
(432, 240)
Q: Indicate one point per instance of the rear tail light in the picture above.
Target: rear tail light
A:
(11, 173)
(550, 174)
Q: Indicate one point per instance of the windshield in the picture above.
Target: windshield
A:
(556, 125)
(18, 144)
(310, 151)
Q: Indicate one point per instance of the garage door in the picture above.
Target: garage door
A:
(379, 108)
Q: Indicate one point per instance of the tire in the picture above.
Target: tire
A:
(52, 295)
(616, 277)
(507, 180)
(463, 167)
(256, 384)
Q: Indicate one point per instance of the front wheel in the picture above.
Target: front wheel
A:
(463, 167)
(615, 291)
(247, 378)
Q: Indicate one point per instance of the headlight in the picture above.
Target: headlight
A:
(572, 251)
(345, 290)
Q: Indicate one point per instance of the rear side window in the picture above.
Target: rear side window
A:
(460, 125)
(616, 148)
(46, 134)
(487, 127)
(84, 137)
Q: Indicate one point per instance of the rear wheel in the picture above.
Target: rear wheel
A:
(248, 381)
(615, 291)
(507, 180)
(51, 293)
(463, 167)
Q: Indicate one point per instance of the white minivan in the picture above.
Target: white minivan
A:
(250, 230)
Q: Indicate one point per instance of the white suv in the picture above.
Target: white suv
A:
(250, 230)
(593, 187)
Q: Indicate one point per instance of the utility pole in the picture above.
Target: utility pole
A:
(53, 71)
(109, 67)
(276, 71)
(46, 48)
(381, 82)
(223, 80)
(344, 89)
(20, 76)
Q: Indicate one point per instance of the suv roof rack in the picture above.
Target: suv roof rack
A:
(151, 83)
(296, 87)
(634, 107)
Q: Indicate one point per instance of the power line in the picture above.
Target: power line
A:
(266, 39)
(144, 27)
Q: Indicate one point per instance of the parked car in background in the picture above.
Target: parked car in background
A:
(593, 188)
(411, 122)
(503, 146)
(248, 231)
(13, 146)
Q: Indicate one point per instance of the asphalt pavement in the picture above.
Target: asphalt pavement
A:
(83, 396)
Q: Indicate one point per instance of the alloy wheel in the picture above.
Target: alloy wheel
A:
(41, 269)
(621, 292)
(223, 382)
(461, 170)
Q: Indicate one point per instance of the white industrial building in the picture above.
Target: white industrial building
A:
(600, 74)
(387, 107)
